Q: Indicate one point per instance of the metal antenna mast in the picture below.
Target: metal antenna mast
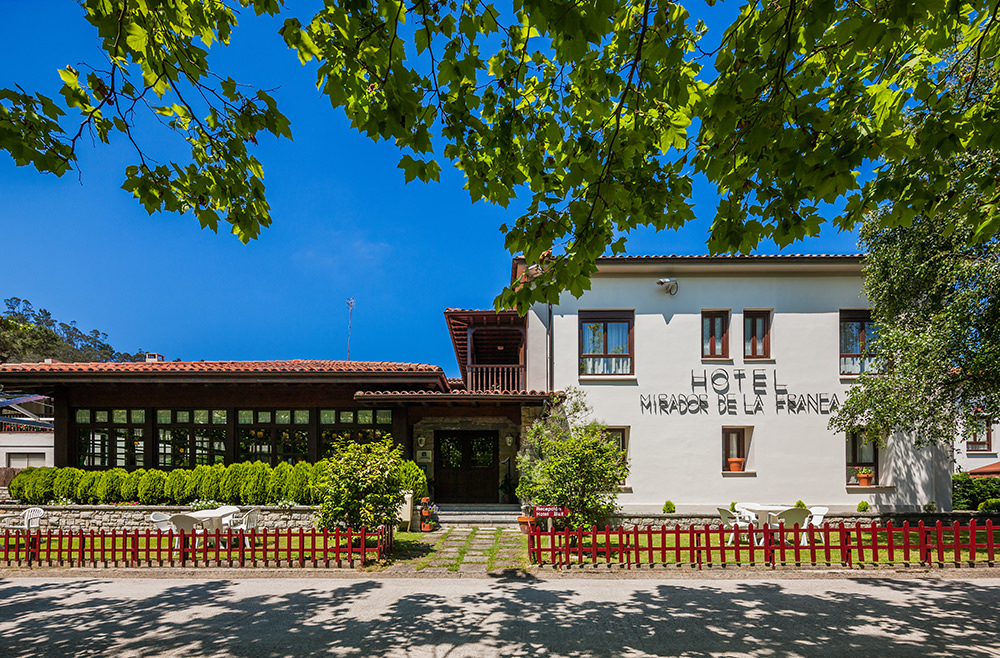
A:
(350, 313)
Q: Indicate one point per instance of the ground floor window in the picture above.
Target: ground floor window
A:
(185, 438)
(861, 455)
(981, 437)
(735, 448)
(620, 436)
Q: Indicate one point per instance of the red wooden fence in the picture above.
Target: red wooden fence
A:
(288, 547)
(769, 546)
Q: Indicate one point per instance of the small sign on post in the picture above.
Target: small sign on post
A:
(551, 512)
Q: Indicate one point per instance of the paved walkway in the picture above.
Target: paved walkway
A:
(466, 550)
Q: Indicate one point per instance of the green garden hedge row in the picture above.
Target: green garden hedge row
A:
(969, 492)
(247, 483)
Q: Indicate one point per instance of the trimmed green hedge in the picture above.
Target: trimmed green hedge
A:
(244, 483)
(240, 484)
(969, 492)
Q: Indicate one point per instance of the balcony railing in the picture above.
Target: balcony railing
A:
(495, 378)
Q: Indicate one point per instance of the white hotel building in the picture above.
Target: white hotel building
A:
(699, 362)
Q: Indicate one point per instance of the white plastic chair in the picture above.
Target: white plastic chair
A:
(245, 522)
(28, 521)
(790, 517)
(816, 520)
(161, 521)
(731, 522)
(190, 525)
(228, 513)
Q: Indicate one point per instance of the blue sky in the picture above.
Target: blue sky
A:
(344, 225)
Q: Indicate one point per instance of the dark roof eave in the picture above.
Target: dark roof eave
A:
(451, 397)
(42, 379)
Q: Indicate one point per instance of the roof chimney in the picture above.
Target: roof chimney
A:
(153, 357)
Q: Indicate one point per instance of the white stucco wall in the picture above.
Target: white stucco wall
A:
(33, 443)
(966, 461)
(678, 455)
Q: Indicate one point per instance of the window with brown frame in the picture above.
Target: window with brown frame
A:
(735, 448)
(861, 455)
(715, 334)
(620, 436)
(756, 334)
(981, 438)
(606, 342)
(856, 332)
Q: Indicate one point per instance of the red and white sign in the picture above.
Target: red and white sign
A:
(550, 511)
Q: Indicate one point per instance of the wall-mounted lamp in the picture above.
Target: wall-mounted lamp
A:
(669, 286)
(510, 440)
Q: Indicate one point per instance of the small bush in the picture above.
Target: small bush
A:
(109, 487)
(297, 487)
(86, 487)
(800, 504)
(361, 488)
(277, 486)
(175, 486)
(732, 506)
(414, 479)
(64, 486)
(314, 490)
(39, 490)
(194, 481)
(968, 492)
(151, 487)
(863, 506)
(232, 483)
(210, 487)
(991, 505)
(930, 507)
(18, 486)
(669, 507)
(255, 481)
(130, 487)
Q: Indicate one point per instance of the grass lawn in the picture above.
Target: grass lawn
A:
(712, 548)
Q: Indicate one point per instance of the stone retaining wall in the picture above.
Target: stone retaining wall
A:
(136, 517)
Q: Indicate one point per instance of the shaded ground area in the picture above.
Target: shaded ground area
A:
(498, 616)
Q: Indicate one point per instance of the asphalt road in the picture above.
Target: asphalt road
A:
(455, 617)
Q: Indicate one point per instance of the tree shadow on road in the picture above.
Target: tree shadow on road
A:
(505, 616)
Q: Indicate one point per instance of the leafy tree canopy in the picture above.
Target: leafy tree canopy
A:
(27, 335)
(933, 284)
(597, 114)
(567, 459)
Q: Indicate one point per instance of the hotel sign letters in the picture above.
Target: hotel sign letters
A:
(737, 391)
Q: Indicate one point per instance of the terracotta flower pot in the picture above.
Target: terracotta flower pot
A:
(426, 513)
(525, 523)
(736, 463)
(865, 480)
(426, 527)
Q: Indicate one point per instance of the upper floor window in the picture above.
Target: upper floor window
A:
(715, 334)
(606, 342)
(757, 334)
(981, 437)
(856, 332)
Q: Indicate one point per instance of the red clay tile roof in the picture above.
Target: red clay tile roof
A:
(988, 471)
(453, 394)
(295, 365)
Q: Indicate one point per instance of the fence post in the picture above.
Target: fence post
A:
(922, 547)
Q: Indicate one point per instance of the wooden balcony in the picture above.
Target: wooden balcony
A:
(495, 378)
